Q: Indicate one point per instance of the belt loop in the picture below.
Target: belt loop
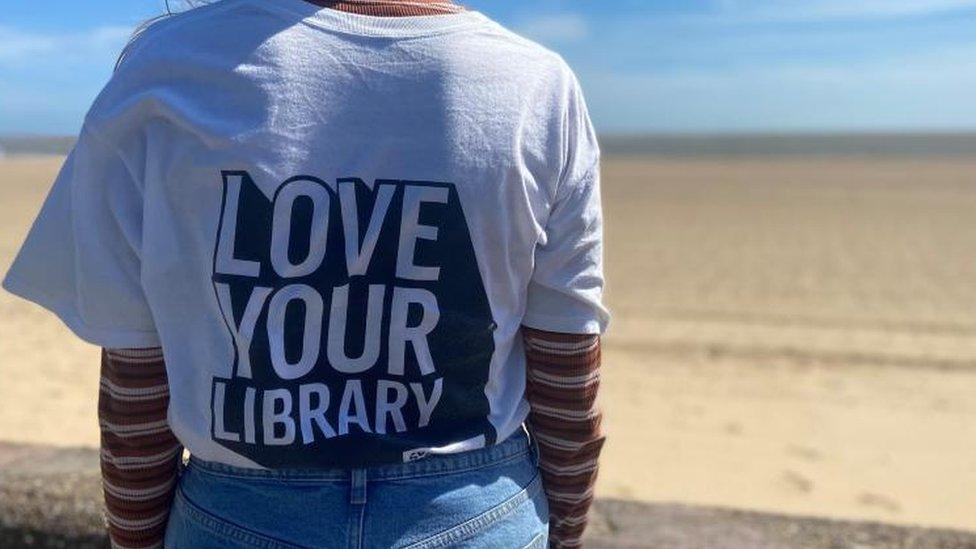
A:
(357, 491)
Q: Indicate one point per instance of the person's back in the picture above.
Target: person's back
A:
(334, 226)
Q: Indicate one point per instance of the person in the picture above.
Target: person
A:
(346, 254)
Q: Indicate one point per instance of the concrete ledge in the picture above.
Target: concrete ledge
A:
(51, 497)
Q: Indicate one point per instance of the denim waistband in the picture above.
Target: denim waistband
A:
(515, 446)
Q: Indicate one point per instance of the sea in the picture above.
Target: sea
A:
(690, 145)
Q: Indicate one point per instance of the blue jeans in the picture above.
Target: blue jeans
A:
(487, 498)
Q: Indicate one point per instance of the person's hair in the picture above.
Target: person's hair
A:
(172, 7)
(176, 6)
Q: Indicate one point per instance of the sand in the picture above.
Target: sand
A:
(791, 335)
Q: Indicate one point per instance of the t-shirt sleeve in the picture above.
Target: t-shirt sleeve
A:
(565, 293)
(82, 258)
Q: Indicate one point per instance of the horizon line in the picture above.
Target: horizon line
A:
(628, 134)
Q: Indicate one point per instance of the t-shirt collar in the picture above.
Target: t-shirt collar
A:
(370, 25)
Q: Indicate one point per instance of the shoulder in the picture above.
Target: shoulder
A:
(211, 40)
(166, 30)
(517, 50)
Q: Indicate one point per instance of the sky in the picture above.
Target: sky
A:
(647, 66)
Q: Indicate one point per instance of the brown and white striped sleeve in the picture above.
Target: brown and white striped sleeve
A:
(563, 376)
(139, 453)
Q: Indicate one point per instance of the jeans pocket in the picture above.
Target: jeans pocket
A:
(191, 527)
(519, 521)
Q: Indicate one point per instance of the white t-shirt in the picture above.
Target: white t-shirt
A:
(333, 224)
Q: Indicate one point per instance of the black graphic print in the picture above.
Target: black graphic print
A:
(361, 327)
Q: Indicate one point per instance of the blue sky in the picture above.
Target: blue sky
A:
(646, 65)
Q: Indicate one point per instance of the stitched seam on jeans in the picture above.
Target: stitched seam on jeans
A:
(270, 476)
(479, 523)
(448, 470)
(361, 530)
(452, 470)
(272, 479)
(537, 542)
(222, 527)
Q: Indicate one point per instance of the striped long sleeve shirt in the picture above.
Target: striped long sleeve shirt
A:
(563, 379)
(139, 454)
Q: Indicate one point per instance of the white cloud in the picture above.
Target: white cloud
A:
(18, 47)
(557, 28)
(835, 10)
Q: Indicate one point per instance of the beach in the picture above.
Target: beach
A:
(791, 334)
